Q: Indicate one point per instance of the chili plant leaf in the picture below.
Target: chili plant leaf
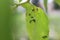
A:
(36, 22)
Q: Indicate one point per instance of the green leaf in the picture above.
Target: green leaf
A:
(36, 22)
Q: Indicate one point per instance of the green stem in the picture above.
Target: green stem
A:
(5, 20)
(45, 4)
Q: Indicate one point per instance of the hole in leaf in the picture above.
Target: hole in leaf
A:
(32, 9)
(29, 14)
(44, 37)
(33, 20)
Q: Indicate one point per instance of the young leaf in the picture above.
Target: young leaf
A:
(36, 22)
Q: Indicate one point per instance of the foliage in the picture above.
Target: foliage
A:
(36, 22)
(58, 2)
